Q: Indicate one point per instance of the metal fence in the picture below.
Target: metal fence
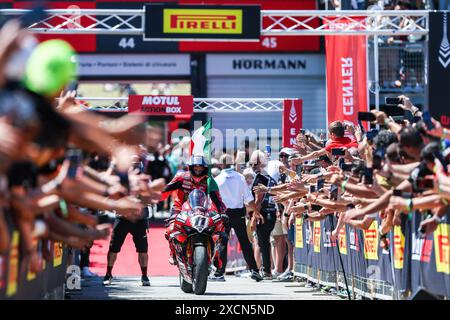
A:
(402, 67)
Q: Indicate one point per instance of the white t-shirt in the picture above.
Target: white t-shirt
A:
(233, 189)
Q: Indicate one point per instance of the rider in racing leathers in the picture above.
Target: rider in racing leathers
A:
(184, 183)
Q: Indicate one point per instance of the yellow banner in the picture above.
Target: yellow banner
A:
(442, 248)
(342, 240)
(13, 272)
(371, 242)
(31, 275)
(316, 235)
(203, 21)
(57, 254)
(298, 232)
(399, 247)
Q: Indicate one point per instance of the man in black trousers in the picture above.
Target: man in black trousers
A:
(235, 193)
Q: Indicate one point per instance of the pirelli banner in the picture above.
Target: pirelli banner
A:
(172, 22)
(408, 263)
(17, 282)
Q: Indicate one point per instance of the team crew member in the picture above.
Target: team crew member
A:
(235, 192)
(266, 205)
(184, 183)
(138, 229)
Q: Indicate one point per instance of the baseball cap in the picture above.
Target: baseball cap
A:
(288, 151)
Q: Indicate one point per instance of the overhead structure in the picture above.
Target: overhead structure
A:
(200, 104)
(274, 22)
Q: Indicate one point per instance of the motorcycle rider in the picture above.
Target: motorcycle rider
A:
(184, 183)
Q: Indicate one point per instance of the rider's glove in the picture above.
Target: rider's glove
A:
(225, 218)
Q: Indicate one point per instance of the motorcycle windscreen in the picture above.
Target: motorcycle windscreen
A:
(197, 198)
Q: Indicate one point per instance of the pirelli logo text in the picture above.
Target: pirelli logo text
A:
(203, 21)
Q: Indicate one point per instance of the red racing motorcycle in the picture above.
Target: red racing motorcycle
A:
(197, 230)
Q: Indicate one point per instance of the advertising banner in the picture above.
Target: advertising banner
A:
(168, 22)
(430, 258)
(161, 105)
(346, 57)
(439, 66)
(292, 121)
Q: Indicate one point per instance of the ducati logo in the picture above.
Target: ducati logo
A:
(444, 49)
(292, 113)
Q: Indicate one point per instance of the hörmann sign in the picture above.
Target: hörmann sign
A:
(161, 105)
(193, 22)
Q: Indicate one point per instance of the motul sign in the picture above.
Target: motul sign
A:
(161, 105)
(292, 121)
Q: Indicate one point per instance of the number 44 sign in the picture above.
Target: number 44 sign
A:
(127, 43)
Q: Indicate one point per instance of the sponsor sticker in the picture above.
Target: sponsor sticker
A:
(399, 247)
(298, 232)
(442, 248)
(13, 272)
(316, 236)
(371, 242)
(342, 239)
(57, 254)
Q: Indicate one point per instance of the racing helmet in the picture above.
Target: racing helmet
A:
(198, 160)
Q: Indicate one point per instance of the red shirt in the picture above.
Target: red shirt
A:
(343, 142)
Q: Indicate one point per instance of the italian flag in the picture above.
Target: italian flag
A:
(201, 146)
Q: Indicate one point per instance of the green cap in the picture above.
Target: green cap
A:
(51, 66)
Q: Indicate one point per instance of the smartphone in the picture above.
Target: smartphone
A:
(366, 116)
(346, 166)
(72, 86)
(398, 193)
(74, 157)
(371, 134)
(416, 119)
(368, 176)
(298, 170)
(312, 189)
(302, 131)
(441, 159)
(425, 183)
(392, 101)
(338, 152)
(408, 116)
(427, 119)
(398, 119)
(333, 192)
(320, 184)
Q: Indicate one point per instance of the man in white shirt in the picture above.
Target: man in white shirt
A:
(235, 193)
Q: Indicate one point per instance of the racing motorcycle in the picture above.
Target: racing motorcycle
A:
(197, 231)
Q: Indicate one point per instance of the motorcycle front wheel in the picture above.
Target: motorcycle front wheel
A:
(185, 286)
(200, 270)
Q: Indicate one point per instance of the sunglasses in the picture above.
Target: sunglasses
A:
(283, 155)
